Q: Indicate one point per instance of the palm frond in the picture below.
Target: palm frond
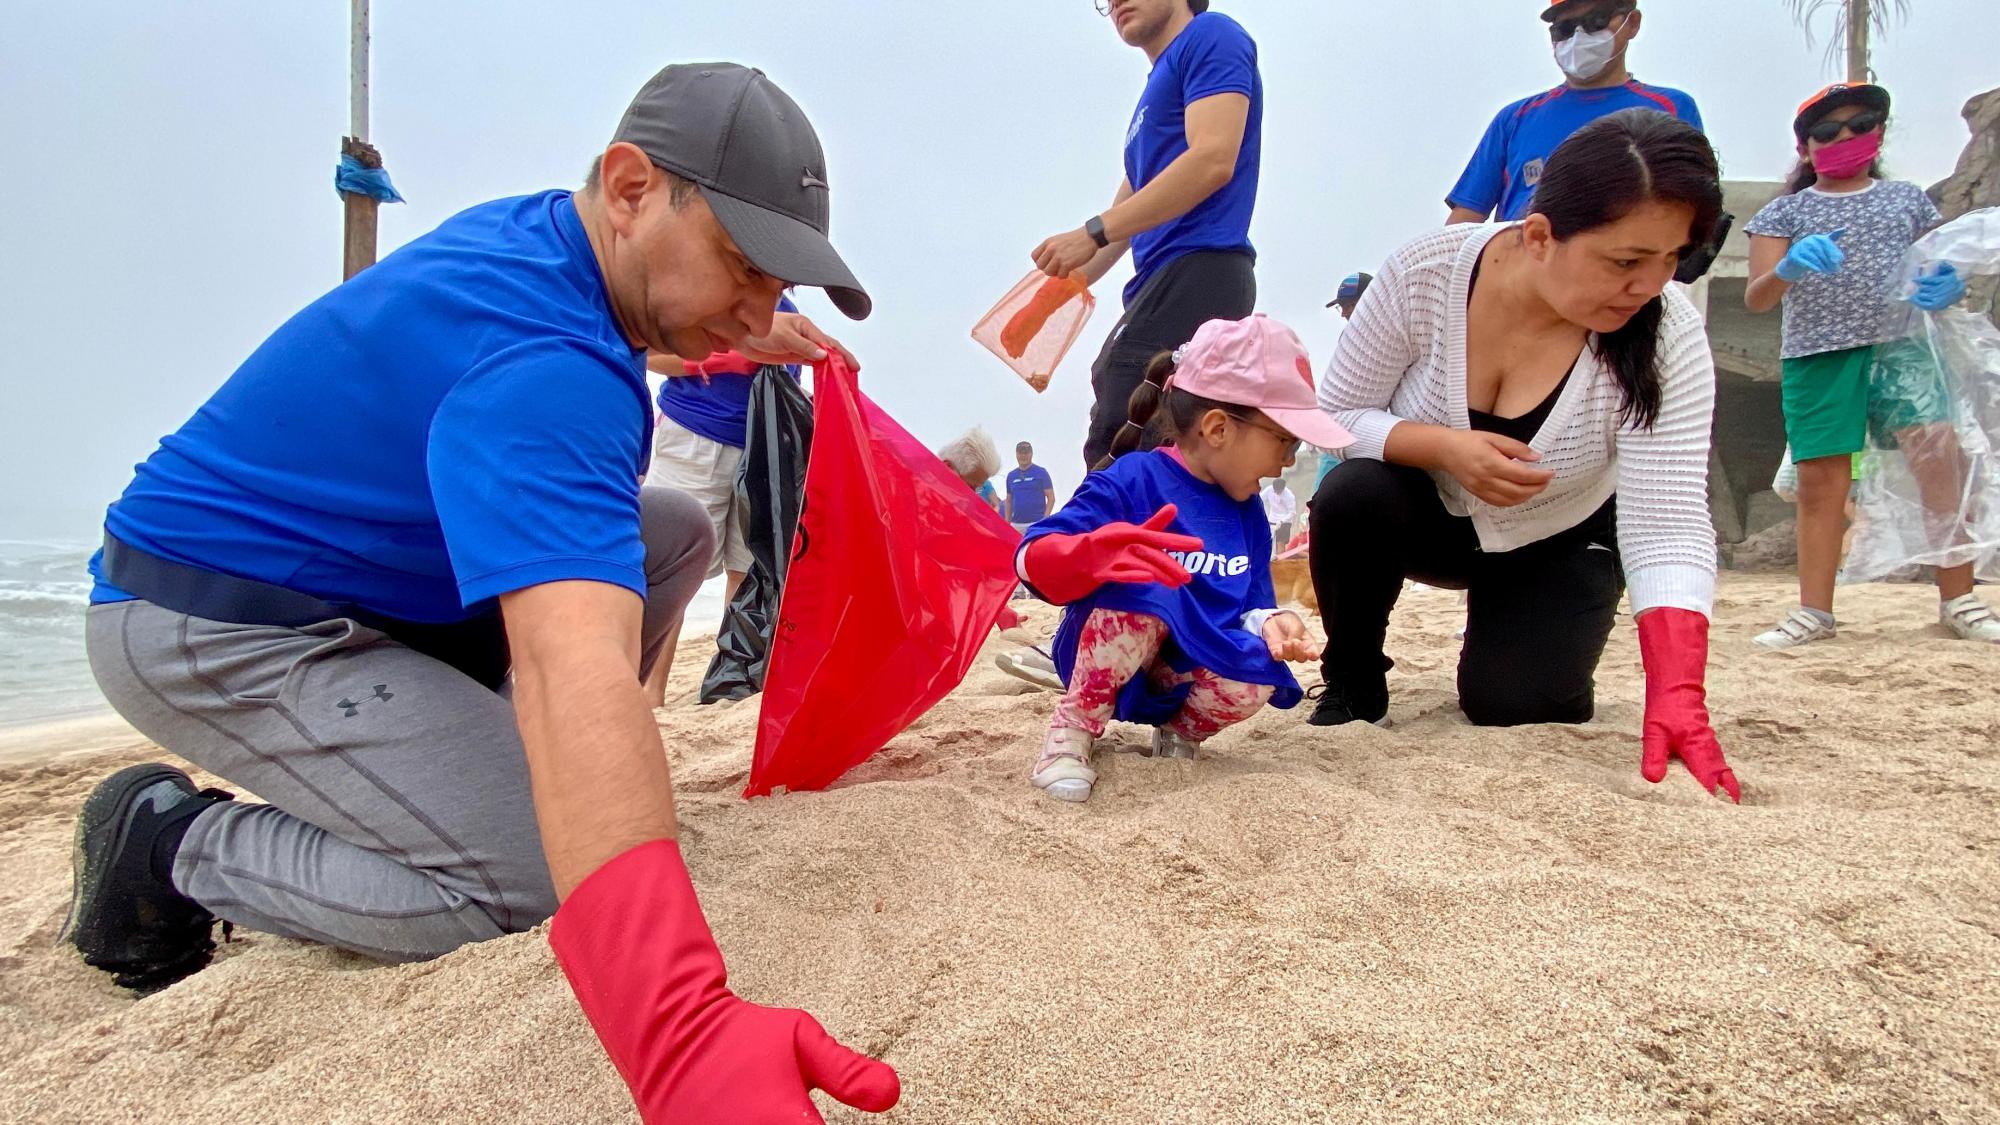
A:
(1884, 15)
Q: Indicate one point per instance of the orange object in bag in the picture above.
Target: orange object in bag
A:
(898, 573)
(1033, 326)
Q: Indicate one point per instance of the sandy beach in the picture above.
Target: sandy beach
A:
(1431, 922)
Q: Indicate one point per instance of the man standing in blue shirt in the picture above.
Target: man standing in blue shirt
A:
(1591, 38)
(1031, 494)
(1191, 160)
(398, 578)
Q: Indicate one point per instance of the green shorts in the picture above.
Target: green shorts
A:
(1834, 400)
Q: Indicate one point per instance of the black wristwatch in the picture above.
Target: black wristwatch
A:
(1094, 227)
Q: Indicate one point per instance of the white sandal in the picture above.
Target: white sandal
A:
(1063, 771)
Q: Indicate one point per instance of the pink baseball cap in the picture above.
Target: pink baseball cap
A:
(1258, 362)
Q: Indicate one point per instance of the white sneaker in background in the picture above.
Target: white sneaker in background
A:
(1970, 618)
(1799, 627)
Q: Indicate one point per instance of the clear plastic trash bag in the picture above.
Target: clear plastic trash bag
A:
(1929, 490)
(1033, 326)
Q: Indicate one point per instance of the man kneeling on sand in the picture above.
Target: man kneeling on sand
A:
(331, 614)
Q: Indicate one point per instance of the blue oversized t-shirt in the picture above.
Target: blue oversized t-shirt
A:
(461, 420)
(1508, 163)
(1212, 55)
(1029, 490)
(1231, 577)
(718, 407)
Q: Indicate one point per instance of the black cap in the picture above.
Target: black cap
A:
(750, 149)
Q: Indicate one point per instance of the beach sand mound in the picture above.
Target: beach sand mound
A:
(1428, 922)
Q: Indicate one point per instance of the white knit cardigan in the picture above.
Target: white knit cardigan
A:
(1402, 358)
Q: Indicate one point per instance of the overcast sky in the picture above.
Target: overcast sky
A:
(169, 200)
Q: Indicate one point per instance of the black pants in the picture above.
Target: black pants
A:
(1186, 292)
(1538, 615)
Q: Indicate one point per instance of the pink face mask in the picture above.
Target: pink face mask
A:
(1850, 157)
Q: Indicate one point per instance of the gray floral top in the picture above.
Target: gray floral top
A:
(1847, 309)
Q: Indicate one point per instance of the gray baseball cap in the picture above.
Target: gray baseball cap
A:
(750, 149)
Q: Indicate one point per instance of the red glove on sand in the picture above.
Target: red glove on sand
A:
(637, 952)
(1069, 568)
(1673, 644)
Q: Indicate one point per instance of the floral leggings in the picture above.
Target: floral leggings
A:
(1116, 646)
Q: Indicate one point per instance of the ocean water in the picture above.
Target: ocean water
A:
(44, 590)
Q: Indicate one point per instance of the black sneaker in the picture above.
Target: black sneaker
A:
(1339, 706)
(125, 916)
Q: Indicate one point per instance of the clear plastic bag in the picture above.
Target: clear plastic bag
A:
(1033, 326)
(1928, 493)
(1786, 481)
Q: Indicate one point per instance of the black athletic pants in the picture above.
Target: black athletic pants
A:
(1538, 616)
(1194, 288)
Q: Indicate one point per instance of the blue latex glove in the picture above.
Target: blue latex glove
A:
(1815, 253)
(1939, 289)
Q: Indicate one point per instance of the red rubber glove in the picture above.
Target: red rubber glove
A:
(637, 952)
(1007, 619)
(721, 363)
(1673, 643)
(1070, 568)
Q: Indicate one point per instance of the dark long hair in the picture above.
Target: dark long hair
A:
(1601, 174)
(1143, 422)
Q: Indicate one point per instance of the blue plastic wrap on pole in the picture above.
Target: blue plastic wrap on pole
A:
(355, 178)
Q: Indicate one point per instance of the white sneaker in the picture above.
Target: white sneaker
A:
(1797, 628)
(1063, 771)
(1971, 619)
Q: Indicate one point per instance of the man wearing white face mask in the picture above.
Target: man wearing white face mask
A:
(1590, 37)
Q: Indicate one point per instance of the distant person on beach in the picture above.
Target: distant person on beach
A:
(1163, 559)
(1346, 298)
(1830, 250)
(1031, 492)
(698, 439)
(398, 578)
(1531, 405)
(973, 456)
(1281, 508)
(1591, 39)
(1192, 154)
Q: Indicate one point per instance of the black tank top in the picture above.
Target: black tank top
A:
(1523, 428)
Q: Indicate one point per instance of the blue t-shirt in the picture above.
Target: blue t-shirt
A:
(460, 420)
(717, 408)
(1232, 576)
(988, 493)
(1028, 489)
(1508, 163)
(1212, 55)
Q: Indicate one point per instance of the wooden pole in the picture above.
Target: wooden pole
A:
(359, 244)
(1858, 20)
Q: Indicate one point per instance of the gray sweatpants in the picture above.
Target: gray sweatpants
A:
(399, 824)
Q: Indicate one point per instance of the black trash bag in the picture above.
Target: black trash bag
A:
(770, 488)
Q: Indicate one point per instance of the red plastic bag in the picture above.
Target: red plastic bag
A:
(1033, 326)
(897, 575)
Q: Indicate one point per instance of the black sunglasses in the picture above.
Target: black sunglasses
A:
(1561, 30)
(1860, 125)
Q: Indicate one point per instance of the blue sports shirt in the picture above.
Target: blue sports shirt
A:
(1508, 163)
(1212, 55)
(461, 420)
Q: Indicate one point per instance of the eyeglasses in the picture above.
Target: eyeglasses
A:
(1103, 7)
(1860, 125)
(1288, 444)
(1561, 30)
